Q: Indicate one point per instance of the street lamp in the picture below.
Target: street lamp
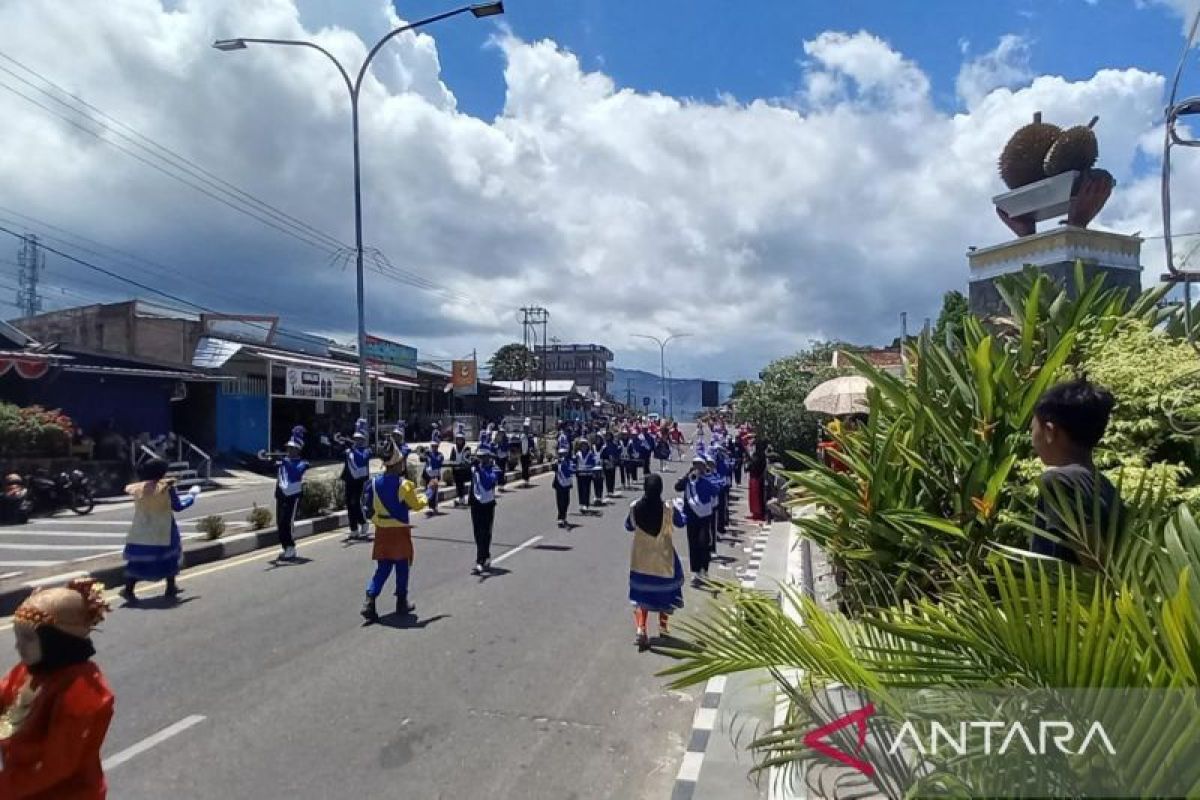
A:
(479, 11)
(662, 360)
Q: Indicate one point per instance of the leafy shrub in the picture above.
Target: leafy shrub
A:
(337, 494)
(33, 430)
(212, 526)
(315, 499)
(259, 517)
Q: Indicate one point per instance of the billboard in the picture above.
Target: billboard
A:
(710, 392)
(466, 377)
(318, 384)
(392, 357)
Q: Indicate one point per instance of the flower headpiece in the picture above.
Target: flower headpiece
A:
(75, 609)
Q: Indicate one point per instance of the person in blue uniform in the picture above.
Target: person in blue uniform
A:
(564, 471)
(630, 459)
(431, 475)
(460, 466)
(724, 472)
(486, 478)
(356, 469)
(289, 485)
(645, 448)
(598, 475)
(585, 469)
(610, 457)
(699, 496)
(715, 480)
(529, 446)
(388, 499)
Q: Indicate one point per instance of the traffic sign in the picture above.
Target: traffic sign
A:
(646, 401)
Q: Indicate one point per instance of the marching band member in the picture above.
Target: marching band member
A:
(610, 456)
(655, 573)
(529, 446)
(289, 485)
(564, 469)
(356, 469)
(388, 499)
(460, 466)
(585, 467)
(485, 478)
(432, 476)
(700, 498)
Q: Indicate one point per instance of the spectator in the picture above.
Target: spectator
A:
(1068, 422)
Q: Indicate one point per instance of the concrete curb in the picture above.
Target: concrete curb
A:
(109, 570)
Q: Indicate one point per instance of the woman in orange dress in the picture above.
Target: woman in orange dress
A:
(55, 706)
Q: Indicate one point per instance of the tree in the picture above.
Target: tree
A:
(512, 362)
(954, 309)
(739, 388)
(774, 405)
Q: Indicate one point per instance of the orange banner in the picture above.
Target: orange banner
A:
(466, 377)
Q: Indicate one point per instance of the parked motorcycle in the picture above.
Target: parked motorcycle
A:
(70, 490)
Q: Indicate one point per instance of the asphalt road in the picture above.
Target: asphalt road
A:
(525, 684)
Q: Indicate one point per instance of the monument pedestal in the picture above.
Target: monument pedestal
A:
(1116, 256)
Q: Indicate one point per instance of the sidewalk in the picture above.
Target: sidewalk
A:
(738, 709)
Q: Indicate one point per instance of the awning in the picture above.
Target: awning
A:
(397, 382)
(522, 398)
(134, 372)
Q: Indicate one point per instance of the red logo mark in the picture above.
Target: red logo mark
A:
(816, 739)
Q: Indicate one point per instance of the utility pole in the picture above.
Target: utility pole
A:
(629, 392)
(30, 263)
(531, 318)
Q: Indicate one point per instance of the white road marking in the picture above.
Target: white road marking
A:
(689, 768)
(9, 575)
(517, 549)
(29, 563)
(54, 580)
(116, 760)
(10, 546)
(63, 534)
(706, 719)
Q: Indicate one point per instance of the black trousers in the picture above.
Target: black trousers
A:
(610, 479)
(526, 462)
(699, 548)
(711, 522)
(584, 482)
(462, 478)
(722, 509)
(285, 515)
(737, 472)
(354, 501)
(483, 516)
(598, 485)
(562, 496)
(631, 472)
(646, 463)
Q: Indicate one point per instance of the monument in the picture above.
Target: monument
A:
(1051, 173)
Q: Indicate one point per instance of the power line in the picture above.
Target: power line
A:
(156, 150)
(234, 197)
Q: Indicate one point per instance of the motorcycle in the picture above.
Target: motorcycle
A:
(70, 490)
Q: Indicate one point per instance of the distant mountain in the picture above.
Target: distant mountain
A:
(684, 393)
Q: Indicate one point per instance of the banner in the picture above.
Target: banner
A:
(466, 377)
(392, 357)
(316, 384)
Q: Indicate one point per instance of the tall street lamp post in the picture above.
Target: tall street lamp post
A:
(479, 10)
(662, 361)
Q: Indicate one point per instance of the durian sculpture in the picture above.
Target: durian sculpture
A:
(1032, 164)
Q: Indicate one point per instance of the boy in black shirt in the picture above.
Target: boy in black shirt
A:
(1068, 422)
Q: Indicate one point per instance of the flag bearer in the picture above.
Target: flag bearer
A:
(388, 499)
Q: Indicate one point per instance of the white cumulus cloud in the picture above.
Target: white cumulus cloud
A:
(754, 226)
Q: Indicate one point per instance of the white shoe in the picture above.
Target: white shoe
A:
(289, 553)
(477, 570)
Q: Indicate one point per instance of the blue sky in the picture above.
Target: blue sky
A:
(702, 48)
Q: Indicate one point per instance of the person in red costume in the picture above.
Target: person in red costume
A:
(55, 706)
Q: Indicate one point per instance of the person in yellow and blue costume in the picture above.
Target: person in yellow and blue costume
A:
(388, 499)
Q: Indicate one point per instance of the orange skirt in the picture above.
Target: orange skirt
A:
(393, 543)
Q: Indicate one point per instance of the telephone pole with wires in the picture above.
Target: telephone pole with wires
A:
(30, 263)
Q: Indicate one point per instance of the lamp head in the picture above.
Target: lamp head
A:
(230, 44)
(482, 10)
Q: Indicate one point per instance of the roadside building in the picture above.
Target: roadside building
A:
(587, 365)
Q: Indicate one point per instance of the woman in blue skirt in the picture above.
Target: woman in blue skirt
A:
(153, 548)
(655, 572)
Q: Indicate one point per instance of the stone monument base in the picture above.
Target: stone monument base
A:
(1055, 252)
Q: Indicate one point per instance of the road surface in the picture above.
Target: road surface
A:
(265, 683)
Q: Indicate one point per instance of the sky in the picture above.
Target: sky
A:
(756, 175)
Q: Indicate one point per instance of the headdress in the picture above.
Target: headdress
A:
(74, 609)
(297, 438)
(395, 455)
(360, 427)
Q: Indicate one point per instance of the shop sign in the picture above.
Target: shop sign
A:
(317, 384)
